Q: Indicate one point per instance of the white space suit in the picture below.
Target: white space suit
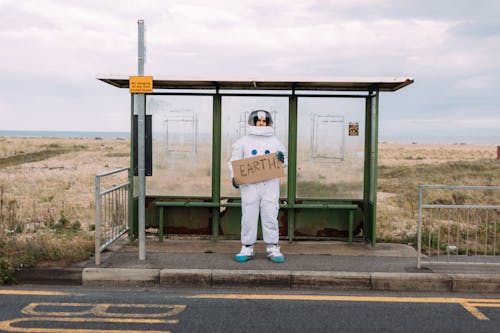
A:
(262, 196)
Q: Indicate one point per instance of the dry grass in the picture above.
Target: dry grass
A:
(47, 195)
(403, 167)
(391, 154)
(44, 180)
(64, 182)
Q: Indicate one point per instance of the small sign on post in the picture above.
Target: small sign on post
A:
(353, 129)
(140, 84)
(256, 169)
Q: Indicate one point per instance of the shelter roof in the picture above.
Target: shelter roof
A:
(326, 83)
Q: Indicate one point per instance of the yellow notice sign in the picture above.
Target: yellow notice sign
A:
(140, 84)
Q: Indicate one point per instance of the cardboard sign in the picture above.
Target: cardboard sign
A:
(256, 169)
(140, 84)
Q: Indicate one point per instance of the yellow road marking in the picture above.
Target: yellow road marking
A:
(330, 298)
(474, 311)
(489, 305)
(33, 292)
(7, 324)
(468, 304)
(102, 310)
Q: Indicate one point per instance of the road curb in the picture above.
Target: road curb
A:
(485, 283)
(122, 277)
(60, 276)
(411, 281)
(331, 280)
(220, 278)
(250, 278)
(186, 278)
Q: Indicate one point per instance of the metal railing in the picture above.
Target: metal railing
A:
(111, 211)
(459, 233)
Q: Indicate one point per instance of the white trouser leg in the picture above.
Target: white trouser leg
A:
(269, 208)
(250, 200)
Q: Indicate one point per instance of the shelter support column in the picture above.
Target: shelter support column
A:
(370, 176)
(374, 165)
(216, 163)
(292, 164)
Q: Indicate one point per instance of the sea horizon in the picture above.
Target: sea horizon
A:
(472, 140)
(493, 140)
(65, 134)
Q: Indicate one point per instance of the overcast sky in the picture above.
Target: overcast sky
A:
(52, 52)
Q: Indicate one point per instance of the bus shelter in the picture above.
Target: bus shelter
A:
(330, 128)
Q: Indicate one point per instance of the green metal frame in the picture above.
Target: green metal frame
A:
(365, 208)
(292, 163)
(370, 169)
(216, 163)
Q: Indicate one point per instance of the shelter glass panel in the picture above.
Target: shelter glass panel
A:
(182, 145)
(235, 112)
(330, 147)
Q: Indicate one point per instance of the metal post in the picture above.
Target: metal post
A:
(97, 220)
(216, 162)
(292, 163)
(367, 169)
(419, 227)
(374, 165)
(141, 101)
(141, 47)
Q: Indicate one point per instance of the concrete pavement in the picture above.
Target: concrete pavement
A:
(314, 265)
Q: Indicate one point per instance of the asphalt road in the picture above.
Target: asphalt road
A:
(77, 309)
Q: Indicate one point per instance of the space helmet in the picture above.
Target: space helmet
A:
(256, 114)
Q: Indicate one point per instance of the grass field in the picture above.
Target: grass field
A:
(403, 167)
(47, 190)
(47, 199)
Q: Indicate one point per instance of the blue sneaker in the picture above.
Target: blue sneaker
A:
(274, 254)
(245, 254)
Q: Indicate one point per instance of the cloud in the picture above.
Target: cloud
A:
(54, 50)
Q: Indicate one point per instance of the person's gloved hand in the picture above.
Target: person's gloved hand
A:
(235, 184)
(280, 156)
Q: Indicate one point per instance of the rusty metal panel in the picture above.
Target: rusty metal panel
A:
(325, 223)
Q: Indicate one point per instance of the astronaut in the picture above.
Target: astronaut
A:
(262, 196)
